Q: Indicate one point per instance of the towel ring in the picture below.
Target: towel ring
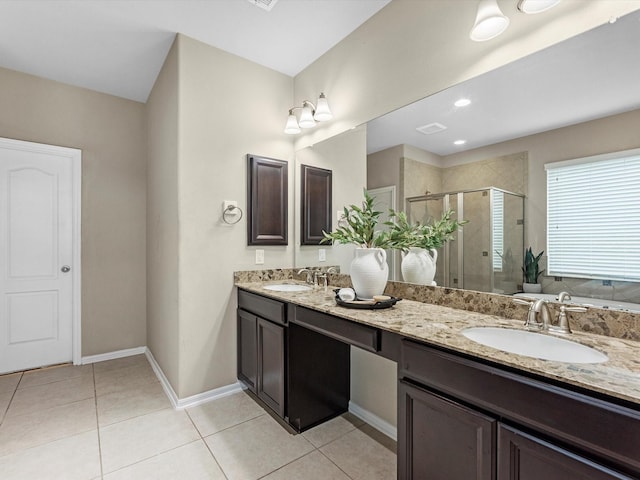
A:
(228, 211)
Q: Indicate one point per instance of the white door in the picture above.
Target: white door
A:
(36, 255)
(385, 198)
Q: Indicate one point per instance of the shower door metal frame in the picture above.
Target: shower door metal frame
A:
(446, 206)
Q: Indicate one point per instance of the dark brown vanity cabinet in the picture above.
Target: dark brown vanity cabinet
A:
(302, 375)
(462, 419)
(261, 348)
(442, 439)
(523, 456)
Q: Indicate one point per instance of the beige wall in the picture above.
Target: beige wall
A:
(111, 134)
(162, 218)
(228, 107)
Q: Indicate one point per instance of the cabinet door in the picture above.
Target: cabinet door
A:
(247, 349)
(441, 440)
(271, 365)
(523, 457)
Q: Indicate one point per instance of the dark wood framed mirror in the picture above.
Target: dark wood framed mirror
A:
(267, 192)
(315, 197)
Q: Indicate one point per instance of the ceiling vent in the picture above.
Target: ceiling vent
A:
(431, 128)
(264, 4)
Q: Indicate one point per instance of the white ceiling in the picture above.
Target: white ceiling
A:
(119, 46)
(590, 76)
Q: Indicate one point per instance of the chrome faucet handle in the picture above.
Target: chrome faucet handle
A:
(531, 323)
(310, 280)
(320, 275)
(563, 326)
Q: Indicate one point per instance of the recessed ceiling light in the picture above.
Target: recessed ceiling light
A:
(463, 102)
(459, 142)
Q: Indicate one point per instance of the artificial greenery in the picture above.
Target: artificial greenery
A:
(531, 268)
(360, 227)
(403, 234)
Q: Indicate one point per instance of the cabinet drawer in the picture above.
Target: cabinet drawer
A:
(607, 430)
(352, 333)
(262, 306)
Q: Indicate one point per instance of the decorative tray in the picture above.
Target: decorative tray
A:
(366, 304)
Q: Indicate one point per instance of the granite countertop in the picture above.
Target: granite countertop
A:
(619, 377)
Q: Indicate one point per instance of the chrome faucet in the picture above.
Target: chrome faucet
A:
(562, 296)
(538, 317)
(310, 275)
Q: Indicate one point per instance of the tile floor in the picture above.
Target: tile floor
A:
(112, 421)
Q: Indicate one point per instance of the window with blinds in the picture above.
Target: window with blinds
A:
(593, 217)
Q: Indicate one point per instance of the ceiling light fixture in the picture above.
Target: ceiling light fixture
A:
(462, 102)
(490, 21)
(536, 6)
(309, 116)
(459, 142)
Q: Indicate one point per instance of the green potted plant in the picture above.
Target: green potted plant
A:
(369, 271)
(419, 242)
(531, 271)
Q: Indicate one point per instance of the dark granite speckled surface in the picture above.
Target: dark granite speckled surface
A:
(437, 315)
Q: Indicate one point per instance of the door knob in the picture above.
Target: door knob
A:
(65, 269)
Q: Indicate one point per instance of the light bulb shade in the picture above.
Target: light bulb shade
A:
(323, 112)
(490, 22)
(292, 126)
(306, 117)
(536, 6)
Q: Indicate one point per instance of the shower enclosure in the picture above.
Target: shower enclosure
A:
(486, 253)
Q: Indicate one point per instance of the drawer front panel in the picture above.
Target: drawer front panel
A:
(262, 306)
(595, 426)
(346, 331)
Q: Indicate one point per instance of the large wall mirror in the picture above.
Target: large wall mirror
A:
(575, 99)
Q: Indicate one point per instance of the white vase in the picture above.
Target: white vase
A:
(419, 265)
(531, 287)
(369, 272)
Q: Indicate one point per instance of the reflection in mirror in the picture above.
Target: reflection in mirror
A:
(345, 156)
(315, 185)
(481, 255)
(575, 99)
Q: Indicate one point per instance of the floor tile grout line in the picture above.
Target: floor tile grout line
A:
(4, 415)
(337, 466)
(289, 463)
(95, 403)
(206, 445)
(233, 426)
(331, 441)
(157, 454)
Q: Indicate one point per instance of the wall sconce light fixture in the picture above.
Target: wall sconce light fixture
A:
(309, 115)
(490, 21)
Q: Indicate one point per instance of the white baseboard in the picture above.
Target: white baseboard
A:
(373, 420)
(194, 400)
(102, 357)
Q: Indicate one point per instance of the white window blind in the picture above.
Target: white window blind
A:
(593, 217)
(497, 228)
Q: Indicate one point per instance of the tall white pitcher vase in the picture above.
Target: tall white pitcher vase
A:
(369, 272)
(419, 265)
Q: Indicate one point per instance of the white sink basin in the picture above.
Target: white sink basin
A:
(536, 345)
(288, 287)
